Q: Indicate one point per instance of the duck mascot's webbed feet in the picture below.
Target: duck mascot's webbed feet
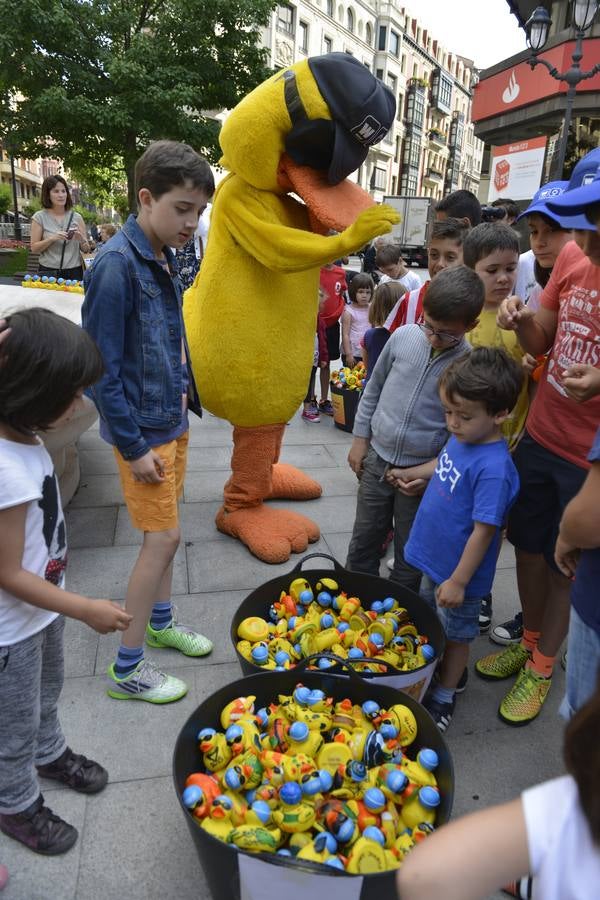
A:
(270, 534)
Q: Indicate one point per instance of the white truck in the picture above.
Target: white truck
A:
(411, 233)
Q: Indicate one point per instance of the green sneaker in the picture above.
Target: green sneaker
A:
(525, 699)
(508, 662)
(178, 637)
(146, 682)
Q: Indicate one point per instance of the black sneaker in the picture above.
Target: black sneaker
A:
(77, 772)
(441, 713)
(485, 614)
(509, 632)
(39, 829)
(462, 682)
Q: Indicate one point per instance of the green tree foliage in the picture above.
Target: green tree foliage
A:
(5, 198)
(91, 81)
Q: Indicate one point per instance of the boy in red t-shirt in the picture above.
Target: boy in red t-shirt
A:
(551, 460)
(444, 250)
(333, 284)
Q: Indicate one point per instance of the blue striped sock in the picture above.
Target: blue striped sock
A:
(127, 659)
(442, 694)
(162, 614)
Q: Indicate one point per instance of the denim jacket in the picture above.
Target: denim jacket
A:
(133, 310)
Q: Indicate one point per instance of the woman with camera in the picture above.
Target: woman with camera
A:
(58, 233)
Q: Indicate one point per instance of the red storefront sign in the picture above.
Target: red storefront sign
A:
(520, 85)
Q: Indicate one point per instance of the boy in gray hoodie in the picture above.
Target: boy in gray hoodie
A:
(400, 421)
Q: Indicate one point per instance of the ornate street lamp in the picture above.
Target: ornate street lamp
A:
(536, 29)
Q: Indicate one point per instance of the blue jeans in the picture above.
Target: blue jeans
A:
(461, 623)
(583, 665)
(31, 679)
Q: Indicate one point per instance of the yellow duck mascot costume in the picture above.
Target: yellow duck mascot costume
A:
(251, 314)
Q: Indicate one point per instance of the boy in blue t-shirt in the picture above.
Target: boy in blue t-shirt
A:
(455, 536)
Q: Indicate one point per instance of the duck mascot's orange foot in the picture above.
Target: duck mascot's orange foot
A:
(251, 314)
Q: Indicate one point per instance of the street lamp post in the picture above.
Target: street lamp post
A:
(536, 29)
(17, 221)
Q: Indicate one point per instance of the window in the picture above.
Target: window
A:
(382, 37)
(285, 18)
(400, 107)
(379, 74)
(415, 70)
(403, 64)
(329, 8)
(411, 155)
(409, 184)
(415, 108)
(394, 43)
(393, 84)
(327, 45)
(378, 179)
(303, 37)
(350, 20)
(368, 34)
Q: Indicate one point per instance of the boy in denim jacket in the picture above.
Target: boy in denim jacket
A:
(132, 309)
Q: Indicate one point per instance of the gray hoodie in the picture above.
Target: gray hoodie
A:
(400, 411)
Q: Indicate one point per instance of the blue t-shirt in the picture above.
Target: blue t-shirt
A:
(471, 483)
(585, 596)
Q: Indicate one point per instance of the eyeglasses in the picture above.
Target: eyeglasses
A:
(444, 336)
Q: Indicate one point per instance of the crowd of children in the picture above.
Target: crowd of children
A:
(447, 448)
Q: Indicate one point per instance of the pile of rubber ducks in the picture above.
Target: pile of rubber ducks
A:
(303, 624)
(310, 778)
(50, 283)
(350, 379)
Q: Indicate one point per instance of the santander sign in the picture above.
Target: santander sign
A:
(513, 89)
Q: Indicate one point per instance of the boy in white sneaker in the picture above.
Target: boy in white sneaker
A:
(455, 536)
(132, 309)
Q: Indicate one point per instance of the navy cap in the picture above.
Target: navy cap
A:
(583, 189)
(362, 109)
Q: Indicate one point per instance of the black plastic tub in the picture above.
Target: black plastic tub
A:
(367, 588)
(220, 861)
(345, 404)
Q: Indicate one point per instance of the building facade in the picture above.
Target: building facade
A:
(431, 148)
(514, 103)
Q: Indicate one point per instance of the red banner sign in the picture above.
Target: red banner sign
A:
(520, 85)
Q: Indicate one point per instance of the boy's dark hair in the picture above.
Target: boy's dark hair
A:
(461, 205)
(49, 184)
(582, 759)
(44, 361)
(168, 164)
(455, 295)
(360, 280)
(510, 207)
(388, 255)
(449, 229)
(485, 239)
(486, 375)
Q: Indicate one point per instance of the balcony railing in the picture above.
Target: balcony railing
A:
(434, 175)
(437, 137)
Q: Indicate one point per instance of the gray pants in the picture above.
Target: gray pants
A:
(379, 507)
(31, 679)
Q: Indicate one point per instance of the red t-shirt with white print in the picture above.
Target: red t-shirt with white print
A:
(555, 420)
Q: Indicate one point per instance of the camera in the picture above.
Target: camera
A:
(492, 213)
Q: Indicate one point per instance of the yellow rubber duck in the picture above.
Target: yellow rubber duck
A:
(255, 838)
(214, 748)
(218, 821)
(304, 130)
(293, 813)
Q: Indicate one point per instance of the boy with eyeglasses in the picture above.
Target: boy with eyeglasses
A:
(400, 421)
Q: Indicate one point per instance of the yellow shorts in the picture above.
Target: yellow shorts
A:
(153, 507)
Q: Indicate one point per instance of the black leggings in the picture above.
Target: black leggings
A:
(310, 395)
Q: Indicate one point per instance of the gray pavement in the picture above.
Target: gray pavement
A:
(134, 842)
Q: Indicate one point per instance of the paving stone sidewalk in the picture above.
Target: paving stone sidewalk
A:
(134, 842)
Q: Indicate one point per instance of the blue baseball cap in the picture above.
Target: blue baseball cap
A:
(539, 204)
(583, 189)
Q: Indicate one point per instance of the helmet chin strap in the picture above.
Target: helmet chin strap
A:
(293, 101)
